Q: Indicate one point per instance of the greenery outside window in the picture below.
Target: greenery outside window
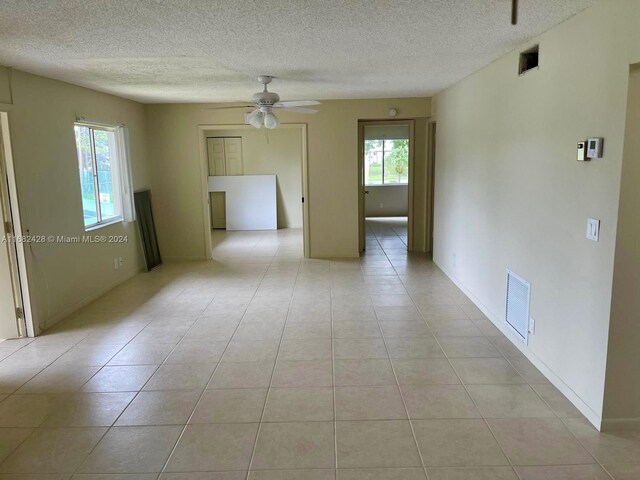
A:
(100, 180)
(386, 162)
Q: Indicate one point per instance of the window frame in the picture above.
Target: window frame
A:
(383, 184)
(116, 177)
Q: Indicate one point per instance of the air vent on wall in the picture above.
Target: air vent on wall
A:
(529, 59)
(518, 297)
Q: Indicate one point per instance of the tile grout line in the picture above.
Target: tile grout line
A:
(464, 385)
(395, 376)
(184, 428)
(333, 376)
(266, 399)
(109, 428)
(37, 428)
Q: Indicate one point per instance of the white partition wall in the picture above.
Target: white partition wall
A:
(250, 201)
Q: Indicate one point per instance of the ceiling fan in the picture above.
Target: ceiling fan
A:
(265, 102)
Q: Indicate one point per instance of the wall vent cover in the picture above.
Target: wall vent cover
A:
(529, 59)
(517, 308)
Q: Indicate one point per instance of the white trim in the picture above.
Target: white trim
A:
(204, 178)
(411, 123)
(97, 226)
(567, 391)
(124, 170)
(99, 125)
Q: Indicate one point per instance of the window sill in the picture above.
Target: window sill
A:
(100, 225)
(388, 185)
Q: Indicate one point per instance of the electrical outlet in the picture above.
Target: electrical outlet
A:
(532, 326)
(455, 260)
(120, 262)
(115, 264)
(381, 205)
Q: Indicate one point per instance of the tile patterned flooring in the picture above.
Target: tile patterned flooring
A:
(268, 366)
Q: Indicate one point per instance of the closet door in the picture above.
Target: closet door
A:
(217, 166)
(233, 155)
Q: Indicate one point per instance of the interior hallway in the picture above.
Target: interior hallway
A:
(264, 364)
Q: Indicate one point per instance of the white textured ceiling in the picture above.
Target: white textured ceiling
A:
(211, 50)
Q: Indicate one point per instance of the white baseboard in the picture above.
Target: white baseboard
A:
(64, 313)
(593, 417)
(171, 259)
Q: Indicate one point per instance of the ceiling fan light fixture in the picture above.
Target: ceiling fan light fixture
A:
(256, 121)
(271, 121)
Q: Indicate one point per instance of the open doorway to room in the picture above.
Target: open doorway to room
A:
(385, 179)
(15, 311)
(255, 184)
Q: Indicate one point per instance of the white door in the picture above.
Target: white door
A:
(233, 156)
(8, 319)
(9, 286)
(225, 158)
(215, 150)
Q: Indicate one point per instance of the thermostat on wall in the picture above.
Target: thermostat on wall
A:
(595, 147)
(582, 151)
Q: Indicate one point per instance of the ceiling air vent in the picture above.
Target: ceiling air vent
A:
(518, 297)
(529, 59)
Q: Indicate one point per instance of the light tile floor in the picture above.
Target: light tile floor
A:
(268, 366)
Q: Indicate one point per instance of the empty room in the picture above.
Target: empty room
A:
(337, 240)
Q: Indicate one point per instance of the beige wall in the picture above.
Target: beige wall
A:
(280, 155)
(509, 192)
(41, 118)
(332, 146)
(622, 391)
(5, 85)
(387, 201)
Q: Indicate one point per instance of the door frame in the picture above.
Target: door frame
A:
(204, 174)
(411, 123)
(17, 254)
(431, 183)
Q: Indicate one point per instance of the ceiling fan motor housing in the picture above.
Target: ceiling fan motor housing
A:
(265, 98)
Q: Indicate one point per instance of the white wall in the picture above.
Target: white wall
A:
(64, 276)
(387, 201)
(509, 192)
(281, 156)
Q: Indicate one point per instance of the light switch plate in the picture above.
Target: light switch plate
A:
(593, 229)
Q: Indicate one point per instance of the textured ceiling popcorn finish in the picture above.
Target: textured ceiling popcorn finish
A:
(212, 50)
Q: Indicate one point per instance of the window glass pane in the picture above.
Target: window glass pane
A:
(85, 166)
(106, 161)
(396, 161)
(373, 162)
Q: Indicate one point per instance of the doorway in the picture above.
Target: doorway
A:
(252, 158)
(385, 179)
(15, 311)
(224, 158)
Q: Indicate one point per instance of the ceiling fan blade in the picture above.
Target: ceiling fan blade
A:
(230, 107)
(297, 103)
(298, 109)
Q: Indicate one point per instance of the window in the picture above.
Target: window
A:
(386, 162)
(100, 181)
